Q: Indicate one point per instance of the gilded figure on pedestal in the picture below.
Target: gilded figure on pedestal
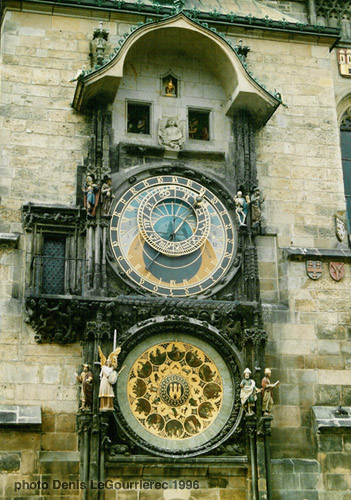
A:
(86, 392)
(108, 377)
(248, 393)
(267, 389)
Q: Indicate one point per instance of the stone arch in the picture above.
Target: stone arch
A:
(343, 106)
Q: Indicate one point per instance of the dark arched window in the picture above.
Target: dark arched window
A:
(345, 140)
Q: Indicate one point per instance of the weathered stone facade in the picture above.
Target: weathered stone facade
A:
(46, 150)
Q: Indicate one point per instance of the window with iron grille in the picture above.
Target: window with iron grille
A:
(345, 139)
(53, 262)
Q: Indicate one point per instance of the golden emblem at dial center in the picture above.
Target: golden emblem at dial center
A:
(175, 390)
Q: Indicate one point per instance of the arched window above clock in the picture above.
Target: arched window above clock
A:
(183, 37)
(345, 142)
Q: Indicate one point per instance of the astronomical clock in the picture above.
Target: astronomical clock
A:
(174, 237)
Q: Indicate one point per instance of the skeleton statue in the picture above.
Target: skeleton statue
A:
(241, 207)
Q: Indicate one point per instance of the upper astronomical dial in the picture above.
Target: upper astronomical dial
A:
(172, 236)
(174, 220)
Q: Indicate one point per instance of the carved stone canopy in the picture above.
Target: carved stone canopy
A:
(180, 34)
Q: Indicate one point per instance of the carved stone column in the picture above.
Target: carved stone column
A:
(84, 422)
(264, 459)
(98, 168)
(97, 333)
(253, 341)
(266, 429)
(244, 154)
(250, 423)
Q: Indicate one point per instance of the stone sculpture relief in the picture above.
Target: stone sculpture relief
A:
(171, 133)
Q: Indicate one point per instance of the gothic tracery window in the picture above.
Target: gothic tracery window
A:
(335, 13)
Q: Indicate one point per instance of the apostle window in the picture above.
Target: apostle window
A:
(138, 118)
(199, 124)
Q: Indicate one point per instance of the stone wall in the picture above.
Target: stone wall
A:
(333, 440)
(294, 8)
(309, 350)
(298, 151)
(296, 479)
(42, 141)
(300, 173)
(42, 138)
(222, 482)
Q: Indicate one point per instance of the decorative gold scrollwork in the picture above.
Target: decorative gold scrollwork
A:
(175, 390)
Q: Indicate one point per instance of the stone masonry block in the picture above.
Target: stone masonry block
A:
(346, 395)
(328, 347)
(19, 440)
(230, 494)
(306, 395)
(48, 422)
(12, 324)
(217, 482)
(285, 481)
(330, 443)
(64, 441)
(338, 463)
(295, 331)
(65, 423)
(339, 482)
(327, 395)
(201, 494)
(347, 443)
(29, 462)
(9, 462)
(294, 347)
(293, 437)
(52, 374)
(19, 373)
(26, 490)
(127, 495)
(334, 377)
(287, 416)
(336, 495)
(59, 468)
(295, 494)
(329, 362)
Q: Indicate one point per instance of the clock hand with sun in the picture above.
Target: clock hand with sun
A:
(171, 237)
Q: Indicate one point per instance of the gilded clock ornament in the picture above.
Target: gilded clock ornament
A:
(179, 393)
(180, 232)
(172, 236)
(175, 390)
